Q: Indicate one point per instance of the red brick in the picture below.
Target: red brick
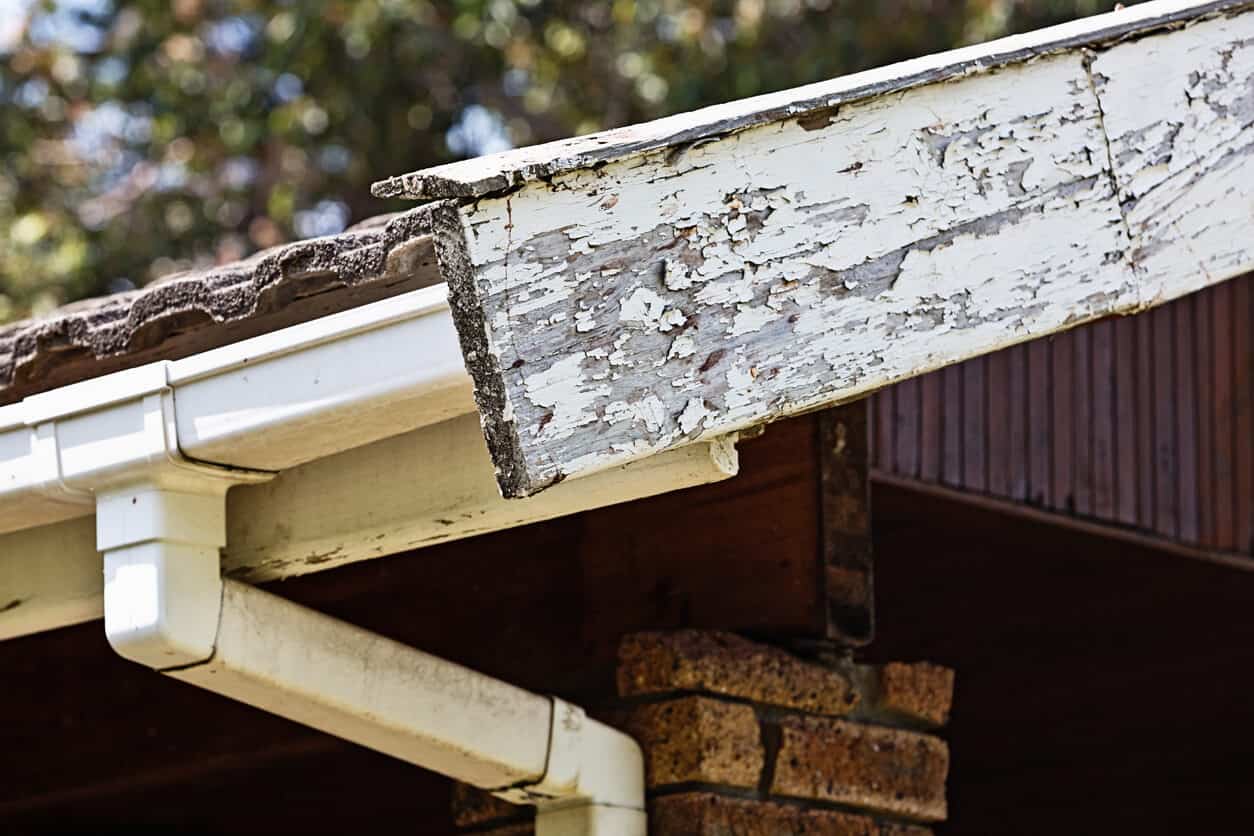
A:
(918, 691)
(723, 663)
(876, 768)
(707, 814)
(696, 739)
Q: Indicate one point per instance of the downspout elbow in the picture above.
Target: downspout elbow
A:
(593, 784)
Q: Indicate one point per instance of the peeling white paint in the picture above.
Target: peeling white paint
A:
(562, 389)
(808, 261)
(1179, 111)
(749, 319)
(694, 414)
(646, 308)
(681, 347)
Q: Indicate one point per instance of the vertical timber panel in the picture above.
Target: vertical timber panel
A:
(1082, 421)
(974, 426)
(1144, 422)
(1166, 482)
(1186, 425)
(952, 410)
(999, 453)
(1063, 493)
(885, 421)
(1103, 426)
(931, 405)
(1018, 398)
(1202, 393)
(1224, 500)
(1243, 386)
(1148, 471)
(1039, 411)
(906, 427)
(1127, 467)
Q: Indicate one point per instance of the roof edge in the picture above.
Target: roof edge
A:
(499, 173)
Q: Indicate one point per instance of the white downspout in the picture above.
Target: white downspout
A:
(167, 607)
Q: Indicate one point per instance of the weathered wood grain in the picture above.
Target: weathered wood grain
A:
(615, 305)
(644, 305)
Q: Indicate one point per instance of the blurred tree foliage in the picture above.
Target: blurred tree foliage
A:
(138, 137)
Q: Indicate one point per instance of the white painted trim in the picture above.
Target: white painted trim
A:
(430, 485)
(366, 416)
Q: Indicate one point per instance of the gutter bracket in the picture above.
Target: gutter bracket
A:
(160, 523)
(163, 590)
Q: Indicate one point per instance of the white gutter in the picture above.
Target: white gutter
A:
(264, 404)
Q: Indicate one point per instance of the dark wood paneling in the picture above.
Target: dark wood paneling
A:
(974, 454)
(1124, 382)
(1243, 390)
(1083, 423)
(932, 430)
(1188, 450)
(1062, 438)
(1164, 402)
(999, 448)
(1039, 389)
(1019, 427)
(951, 394)
(1147, 476)
(1224, 375)
(1144, 422)
(1104, 432)
(908, 441)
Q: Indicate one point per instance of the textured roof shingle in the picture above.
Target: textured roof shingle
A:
(194, 311)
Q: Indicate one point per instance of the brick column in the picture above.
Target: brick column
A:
(745, 738)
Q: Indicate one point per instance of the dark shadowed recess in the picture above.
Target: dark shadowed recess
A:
(1101, 685)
